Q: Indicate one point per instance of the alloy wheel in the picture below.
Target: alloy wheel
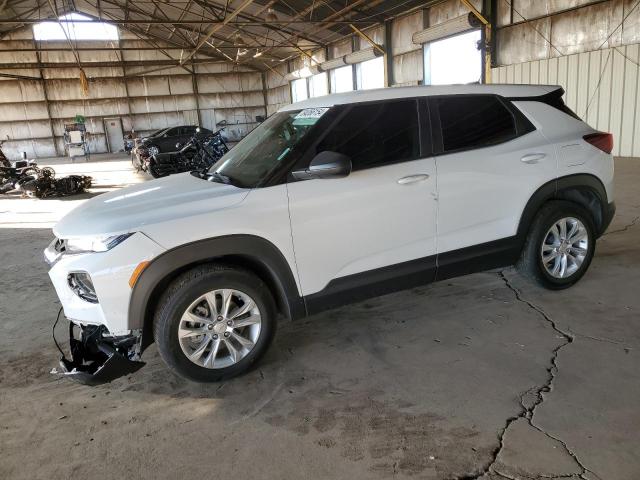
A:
(219, 328)
(565, 247)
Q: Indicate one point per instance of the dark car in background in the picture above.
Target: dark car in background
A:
(165, 140)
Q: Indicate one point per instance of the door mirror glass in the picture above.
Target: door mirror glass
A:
(326, 164)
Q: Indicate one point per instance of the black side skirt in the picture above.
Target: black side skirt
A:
(402, 276)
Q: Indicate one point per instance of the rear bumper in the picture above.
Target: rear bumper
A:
(607, 215)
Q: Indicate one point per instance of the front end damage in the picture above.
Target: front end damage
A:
(97, 357)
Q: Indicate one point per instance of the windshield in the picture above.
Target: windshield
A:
(266, 147)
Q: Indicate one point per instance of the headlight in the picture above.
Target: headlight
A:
(79, 245)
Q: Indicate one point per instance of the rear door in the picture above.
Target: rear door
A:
(374, 230)
(490, 160)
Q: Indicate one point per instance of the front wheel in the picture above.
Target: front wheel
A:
(214, 322)
(152, 168)
(560, 245)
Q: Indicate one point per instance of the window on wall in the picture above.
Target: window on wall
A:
(371, 74)
(299, 90)
(474, 122)
(365, 135)
(318, 85)
(85, 29)
(453, 60)
(342, 79)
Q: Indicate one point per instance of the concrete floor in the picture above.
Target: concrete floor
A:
(485, 376)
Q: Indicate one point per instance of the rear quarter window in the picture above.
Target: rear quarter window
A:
(475, 121)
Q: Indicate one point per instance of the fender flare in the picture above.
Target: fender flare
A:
(554, 189)
(249, 251)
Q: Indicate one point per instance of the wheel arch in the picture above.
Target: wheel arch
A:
(583, 189)
(250, 252)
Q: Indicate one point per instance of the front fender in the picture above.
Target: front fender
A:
(249, 251)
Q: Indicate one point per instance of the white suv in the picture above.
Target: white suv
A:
(330, 201)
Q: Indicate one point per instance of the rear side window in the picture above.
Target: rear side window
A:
(376, 134)
(555, 100)
(474, 122)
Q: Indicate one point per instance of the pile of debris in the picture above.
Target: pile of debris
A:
(33, 181)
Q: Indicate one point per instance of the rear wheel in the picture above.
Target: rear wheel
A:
(214, 322)
(559, 246)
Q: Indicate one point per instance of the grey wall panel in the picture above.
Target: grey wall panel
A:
(94, 108)
(33, 148)
(444, 11)
(402, 31)
(409, 68)
(12, 91)
(231, 100)
(22, 112)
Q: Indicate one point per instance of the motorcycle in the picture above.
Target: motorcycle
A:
(16, 174)
(4, 162)
(44, 186)
(197, 154)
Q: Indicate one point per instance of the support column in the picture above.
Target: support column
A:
(196, 93)
(265, 96)
(46, 99)
(389, 77)
(126, 86)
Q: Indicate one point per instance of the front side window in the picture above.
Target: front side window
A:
(376, 134)
(470, 121)
(270, 144)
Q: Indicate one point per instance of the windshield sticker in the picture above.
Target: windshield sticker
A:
(309, 116)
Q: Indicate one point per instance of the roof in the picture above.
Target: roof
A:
(421, 91)
(228, 31)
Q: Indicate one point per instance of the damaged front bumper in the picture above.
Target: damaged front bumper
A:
(96, 356)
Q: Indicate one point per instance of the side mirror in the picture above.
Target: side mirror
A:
(326, 164)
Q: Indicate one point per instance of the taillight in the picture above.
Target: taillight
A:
(603, 141)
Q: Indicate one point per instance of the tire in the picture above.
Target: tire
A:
(540, 236)
(179, 299)
(153, 170)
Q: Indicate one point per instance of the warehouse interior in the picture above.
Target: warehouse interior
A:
(484, 376)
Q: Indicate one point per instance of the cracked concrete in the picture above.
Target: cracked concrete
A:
(485, 376)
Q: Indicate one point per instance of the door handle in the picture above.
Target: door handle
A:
(413, 179)
(533, 158)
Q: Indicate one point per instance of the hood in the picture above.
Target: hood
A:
(130, 209)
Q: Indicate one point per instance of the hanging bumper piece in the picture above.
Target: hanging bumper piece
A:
(96, 357)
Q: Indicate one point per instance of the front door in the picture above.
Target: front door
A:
(374, 230)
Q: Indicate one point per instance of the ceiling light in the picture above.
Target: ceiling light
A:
(271, 15)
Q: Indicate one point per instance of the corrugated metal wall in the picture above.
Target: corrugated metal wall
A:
(33, 112)
(602, 87)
